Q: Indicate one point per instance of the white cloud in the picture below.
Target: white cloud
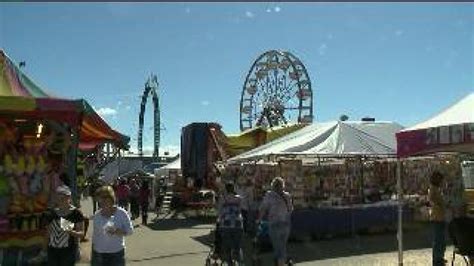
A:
(106, 111)
(205, 103)
(119, 103)
(249, 14)
(269, 10)
(187, 10)
(277, 9)
(322, 49)
(399, 32)
(128, 107)
(330, 36)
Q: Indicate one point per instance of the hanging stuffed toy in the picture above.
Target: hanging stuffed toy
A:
(8, 164)
(29, 204)
(30, 164)
(35, 183)
(4, 224)
(38, 176)
(21, 175)
(55, 180)
(4, 189)
(47, 178)
(7, 137)
(34, 178)
(40, 202)
(16, 203)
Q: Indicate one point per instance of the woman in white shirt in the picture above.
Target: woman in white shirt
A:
(277, 207)
(111, 225)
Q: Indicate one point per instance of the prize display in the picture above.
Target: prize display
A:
(31, 160)
(352, 181)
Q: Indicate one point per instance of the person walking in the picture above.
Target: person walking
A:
(123, 194)
(438, 218)
(246, 195)
(64, 227)
(230, 224)
(110, 226)
(94, 185)
(144, 199)
(277, 207)
(134, 197)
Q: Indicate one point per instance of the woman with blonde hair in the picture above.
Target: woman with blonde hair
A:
(111, 225)
(277, 207)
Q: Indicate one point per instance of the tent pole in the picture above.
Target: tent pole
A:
(400, 213)
(72, 164)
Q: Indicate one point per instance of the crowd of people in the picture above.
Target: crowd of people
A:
(114, 206)
(134, 197)
(233, 220)
(118, 205)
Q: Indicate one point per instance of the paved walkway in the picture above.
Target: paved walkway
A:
(186, 242)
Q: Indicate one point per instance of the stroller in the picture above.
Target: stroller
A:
(262, 244)
(216, 255)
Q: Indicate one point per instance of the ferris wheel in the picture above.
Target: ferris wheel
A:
(277, 91)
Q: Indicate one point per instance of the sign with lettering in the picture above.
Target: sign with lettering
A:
(443, 138)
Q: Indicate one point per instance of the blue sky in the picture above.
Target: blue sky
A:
(402, 62)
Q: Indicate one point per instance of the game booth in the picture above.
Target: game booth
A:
(40, 137)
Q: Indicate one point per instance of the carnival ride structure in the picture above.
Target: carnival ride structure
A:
(277, 91)
(151, 89)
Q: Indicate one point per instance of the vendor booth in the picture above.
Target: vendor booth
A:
(39, 140)
(452, 130)
(341, 175)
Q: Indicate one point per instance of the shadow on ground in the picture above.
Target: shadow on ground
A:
(166, 256)
(167, 224)
(345, 246)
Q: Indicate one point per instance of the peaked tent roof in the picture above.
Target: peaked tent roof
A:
(333, 138)
(450, 130)
(461, 112)
(176, 164)
(21, 96)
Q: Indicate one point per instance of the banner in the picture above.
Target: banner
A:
(445, 138)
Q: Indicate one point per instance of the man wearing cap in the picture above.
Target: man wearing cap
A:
(65, 228)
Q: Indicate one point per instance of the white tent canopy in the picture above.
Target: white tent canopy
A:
(449, 131)
(164, 171)
(461, 112)
(174, 165)
(333, 138)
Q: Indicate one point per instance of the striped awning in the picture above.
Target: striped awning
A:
(21, 97)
